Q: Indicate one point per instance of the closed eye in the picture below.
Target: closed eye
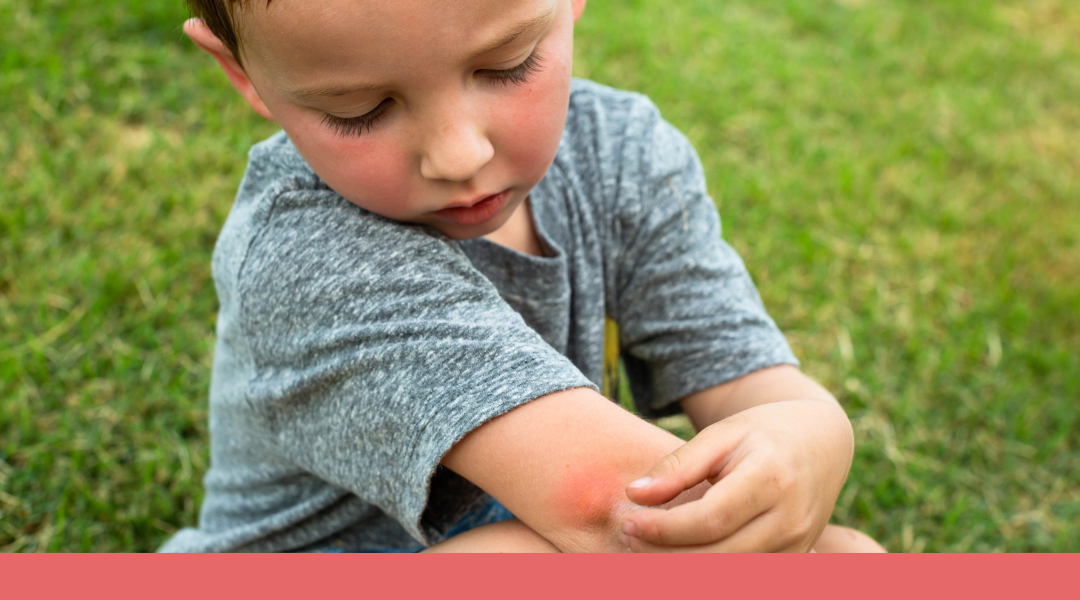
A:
(516, 75)
(354, 126)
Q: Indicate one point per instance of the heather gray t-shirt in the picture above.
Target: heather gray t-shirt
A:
(354, 351)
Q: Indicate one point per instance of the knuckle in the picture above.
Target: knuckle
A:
(798, 530)
(772, 484)
(788, 537)
(647, 528)
(715, 525)
(658, 534)
(804, 527)
(783, 480)
(672, 464)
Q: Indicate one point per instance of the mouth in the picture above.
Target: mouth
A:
(476, 213)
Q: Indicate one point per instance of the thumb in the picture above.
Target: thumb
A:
(696, 461)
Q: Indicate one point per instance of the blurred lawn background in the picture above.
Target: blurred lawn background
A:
(902, 178)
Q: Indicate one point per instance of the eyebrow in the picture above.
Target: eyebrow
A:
(332, 90)
(335, 90)
(518, 30)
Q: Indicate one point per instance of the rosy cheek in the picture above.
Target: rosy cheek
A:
(375, 175)
(371, 172)
(532, 124)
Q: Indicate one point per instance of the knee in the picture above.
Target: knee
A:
(504, 536)
(844, 539)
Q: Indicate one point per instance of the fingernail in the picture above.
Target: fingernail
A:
(625, 540)
(640, 483)
(629, 528)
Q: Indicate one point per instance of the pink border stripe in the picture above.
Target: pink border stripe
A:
(659, 577)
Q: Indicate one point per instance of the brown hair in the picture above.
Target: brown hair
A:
(218, 16)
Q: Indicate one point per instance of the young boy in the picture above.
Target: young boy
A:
(415, 280)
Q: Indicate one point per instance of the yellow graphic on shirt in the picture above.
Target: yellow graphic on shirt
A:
(611, 359)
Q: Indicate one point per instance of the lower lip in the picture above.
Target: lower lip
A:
(477, 213)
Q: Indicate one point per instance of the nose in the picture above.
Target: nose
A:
(455, 150)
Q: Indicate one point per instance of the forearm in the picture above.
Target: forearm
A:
(774, 384)
(561, 464)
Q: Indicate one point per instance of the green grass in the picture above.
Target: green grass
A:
(902, 178)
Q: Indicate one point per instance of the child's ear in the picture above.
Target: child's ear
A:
(199, 33)
(579, 7)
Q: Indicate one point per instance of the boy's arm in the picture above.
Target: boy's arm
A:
(561, 464)
(774, 384)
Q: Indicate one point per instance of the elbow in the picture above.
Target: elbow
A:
(591, 504)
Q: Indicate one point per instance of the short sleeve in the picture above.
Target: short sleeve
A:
(377, 346)
(689, 315)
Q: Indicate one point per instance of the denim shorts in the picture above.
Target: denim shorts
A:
(492, 512)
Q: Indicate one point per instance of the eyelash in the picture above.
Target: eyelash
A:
(519, 74)
(354, 126)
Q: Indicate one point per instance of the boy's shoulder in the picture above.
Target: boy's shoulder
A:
(289, 228)
(599, 115)
(614, 134)
(279, 185)
(590, 96)
(275, 167)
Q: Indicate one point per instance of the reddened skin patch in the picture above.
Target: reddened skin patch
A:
(592, 496)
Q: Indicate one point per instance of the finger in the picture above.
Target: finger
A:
(695, 461)
(726, 507)
(641, 546)
(769, 532)
(762, 534)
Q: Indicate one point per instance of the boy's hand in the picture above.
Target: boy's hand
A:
(776, 471)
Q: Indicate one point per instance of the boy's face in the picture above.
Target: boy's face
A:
(439, 112)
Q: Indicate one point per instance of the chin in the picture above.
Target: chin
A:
(458, 232)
